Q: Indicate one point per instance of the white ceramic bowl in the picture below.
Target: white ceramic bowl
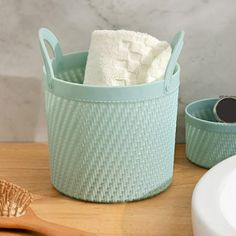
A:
(214, 201)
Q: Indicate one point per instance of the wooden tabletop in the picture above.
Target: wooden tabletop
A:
(168, 214)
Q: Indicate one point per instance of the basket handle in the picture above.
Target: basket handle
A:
(50, 38)
(177, 45)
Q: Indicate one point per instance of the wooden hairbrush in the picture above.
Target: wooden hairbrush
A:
(15, 213)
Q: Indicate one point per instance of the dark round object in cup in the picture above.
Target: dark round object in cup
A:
(225, 110)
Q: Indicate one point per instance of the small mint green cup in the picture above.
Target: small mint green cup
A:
(208, 141)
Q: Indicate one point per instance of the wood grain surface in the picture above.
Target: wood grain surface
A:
(168, 214)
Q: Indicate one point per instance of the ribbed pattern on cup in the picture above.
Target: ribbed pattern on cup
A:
(208, 144)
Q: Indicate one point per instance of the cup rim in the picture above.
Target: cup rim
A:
(206, 124)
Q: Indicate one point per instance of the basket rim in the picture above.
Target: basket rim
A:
(98, 93)
(214, 126)
(176, 71)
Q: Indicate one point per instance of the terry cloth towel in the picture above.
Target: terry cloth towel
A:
(120, 57)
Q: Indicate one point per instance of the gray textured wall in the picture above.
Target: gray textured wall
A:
(208, 59)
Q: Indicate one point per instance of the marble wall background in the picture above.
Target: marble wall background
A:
(208, 59)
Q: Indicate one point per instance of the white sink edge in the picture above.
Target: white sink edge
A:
(207, 215)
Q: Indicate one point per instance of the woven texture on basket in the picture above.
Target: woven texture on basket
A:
(208, 145)
(111, 151)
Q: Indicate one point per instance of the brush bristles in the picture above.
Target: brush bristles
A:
(13, 199)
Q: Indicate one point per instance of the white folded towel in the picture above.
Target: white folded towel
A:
(120, 57)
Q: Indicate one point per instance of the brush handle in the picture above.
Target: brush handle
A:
(51, 229)
(30, 221)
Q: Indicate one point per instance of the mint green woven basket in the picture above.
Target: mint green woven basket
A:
(107, 144)
(208, 141)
